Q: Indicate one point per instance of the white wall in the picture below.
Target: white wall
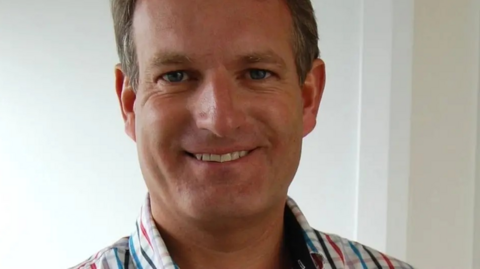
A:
(444, 134)
(69, 179)
(476, 227)
(383, 165)
(418, 135)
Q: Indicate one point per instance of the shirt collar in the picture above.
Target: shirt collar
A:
(149, 251)
(311, 239)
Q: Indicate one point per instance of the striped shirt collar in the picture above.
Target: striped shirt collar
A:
(150, 252)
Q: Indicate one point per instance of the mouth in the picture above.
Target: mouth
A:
(219, 158)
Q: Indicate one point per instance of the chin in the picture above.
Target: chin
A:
(228, 204)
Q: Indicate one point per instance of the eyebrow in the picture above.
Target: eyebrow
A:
(174, 58)
(170, 58)
(268, 57)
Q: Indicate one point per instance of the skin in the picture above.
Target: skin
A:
(219, 215)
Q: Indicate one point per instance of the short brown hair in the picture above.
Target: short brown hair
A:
(305, 36)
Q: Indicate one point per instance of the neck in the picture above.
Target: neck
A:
(246, 243)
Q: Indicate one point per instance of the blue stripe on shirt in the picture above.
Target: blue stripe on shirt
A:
(119, 262)
(355, 249)
(134, 253)
(309, 242)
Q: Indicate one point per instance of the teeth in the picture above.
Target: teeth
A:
(215, 158)
(221, 158)
(226, 158)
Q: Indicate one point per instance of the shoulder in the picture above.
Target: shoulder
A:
(112, 257)
(341, 251)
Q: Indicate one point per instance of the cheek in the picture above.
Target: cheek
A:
(159, 125)
(283, 118)
(280, 120)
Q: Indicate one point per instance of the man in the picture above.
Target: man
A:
(217, 95)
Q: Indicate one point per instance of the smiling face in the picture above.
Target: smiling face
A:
(219, 115)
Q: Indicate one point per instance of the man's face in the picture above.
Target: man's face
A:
(218, 82)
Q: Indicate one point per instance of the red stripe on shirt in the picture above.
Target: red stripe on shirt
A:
(337, 249)
(390, 265)
(93, 266)
(144, 232)
(318, 261)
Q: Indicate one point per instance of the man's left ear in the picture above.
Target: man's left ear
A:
(312, 92)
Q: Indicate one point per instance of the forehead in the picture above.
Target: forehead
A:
(211, 28)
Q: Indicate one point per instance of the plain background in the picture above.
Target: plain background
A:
(391, 163)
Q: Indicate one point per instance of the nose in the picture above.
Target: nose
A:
(218, 108)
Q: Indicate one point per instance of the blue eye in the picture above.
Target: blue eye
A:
(259, 74)
(175, 77)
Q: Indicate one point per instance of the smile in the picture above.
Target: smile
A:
(221, 158)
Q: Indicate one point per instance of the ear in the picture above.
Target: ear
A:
(312, 92)
(126, 96)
